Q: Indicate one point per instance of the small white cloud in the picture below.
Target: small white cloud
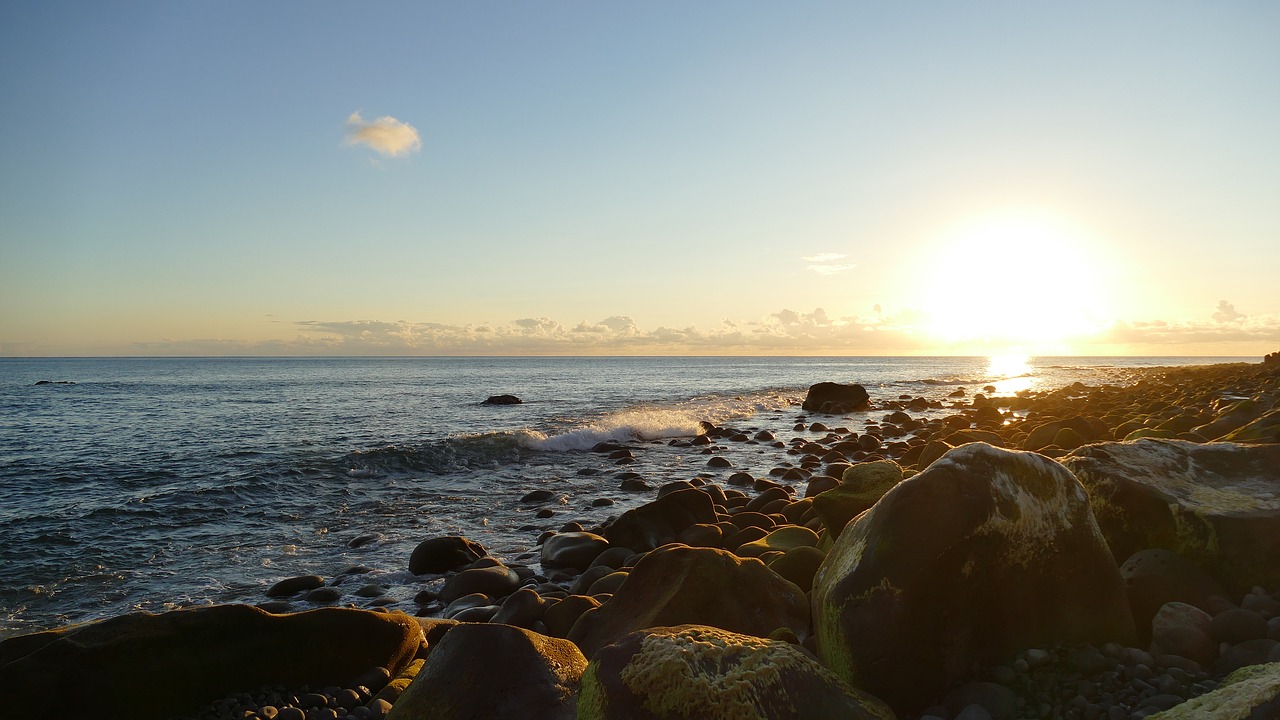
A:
(825, 257)
(1227, 312)
(386, 135)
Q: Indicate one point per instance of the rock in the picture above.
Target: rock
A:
(985, 553)
(1182, 629)
(782, 539)
(294, 585)
(560, 617)
(522, 608)
(503, 400)
(863, 484)
(147, 666)
(1265, 429)
(1154, 577)
(798, 565)
(537, 496)
(442, 554)
(489, 671)
(695, 672)
(496, 581)
(995, 700)
(678, 585)
(1214, 504)
(574, 550)
(660, 522)
(1237, 625)
(836, 399)
(1234, 417)
(1235, 699)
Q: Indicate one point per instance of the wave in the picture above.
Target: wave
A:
(463, 452)
(657, 422)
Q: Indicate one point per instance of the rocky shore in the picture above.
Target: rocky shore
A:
(1085, 552)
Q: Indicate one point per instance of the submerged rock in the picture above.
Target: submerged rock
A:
(985, 553)
(705, 673)
(1215, 504)
(678, 584)
(503, 400)
(489, 671)
(157, 666)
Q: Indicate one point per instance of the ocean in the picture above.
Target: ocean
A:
(156, 483)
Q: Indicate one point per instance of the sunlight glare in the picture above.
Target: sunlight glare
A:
(1015, 373)
(1016, 280)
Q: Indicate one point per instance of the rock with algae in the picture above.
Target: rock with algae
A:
(986, 552)
(1215, 504)
(860, 488)
(693, 671)
(1239, 697)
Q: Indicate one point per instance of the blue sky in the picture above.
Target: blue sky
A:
(579, 178)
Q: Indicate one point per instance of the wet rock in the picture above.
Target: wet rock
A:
(496, 581)
(491, 671)
(661, 521)
(1214, 504)
(443, 554)
(294, 585)
(704, 673)
(836, 399)
(992, 535)
(678, 585)
(574, 550)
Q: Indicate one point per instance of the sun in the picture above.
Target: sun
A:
(1020, 281)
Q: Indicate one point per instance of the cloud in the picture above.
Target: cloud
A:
(824, 263)
(1227, 313)
(386, 135)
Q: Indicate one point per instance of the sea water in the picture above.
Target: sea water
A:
(155, 483)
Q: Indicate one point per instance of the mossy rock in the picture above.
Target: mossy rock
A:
(985, 553)
(782, 539)
(702, 673)
(147, 665)
(677, 584)
(862, 485)
(1215, 504)
(1265, 429)
(1235, 699)
(1150, 433)
(799, 565)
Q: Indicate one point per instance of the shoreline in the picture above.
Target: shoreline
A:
(1173, 402)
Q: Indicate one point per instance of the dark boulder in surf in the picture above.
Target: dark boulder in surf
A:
(836, 398)
(503, 400)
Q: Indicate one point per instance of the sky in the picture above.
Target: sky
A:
(845, 178)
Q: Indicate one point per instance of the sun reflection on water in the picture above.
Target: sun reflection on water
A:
(1015, 373)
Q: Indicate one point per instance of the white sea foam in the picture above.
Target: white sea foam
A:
(682, 419)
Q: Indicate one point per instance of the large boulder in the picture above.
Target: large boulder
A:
(487, 671)
(157, 666)
(985, 553)
(1154, 577)
(1215, 504)
(678, 585)
(660, 522)
(836, 398)
(695, 672)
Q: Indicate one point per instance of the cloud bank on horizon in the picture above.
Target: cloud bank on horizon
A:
(783, 332)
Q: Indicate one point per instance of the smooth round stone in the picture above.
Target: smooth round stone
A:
(535, 496)
(324, 595)
(1237, 625)
(293, 585)
(291, 713)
